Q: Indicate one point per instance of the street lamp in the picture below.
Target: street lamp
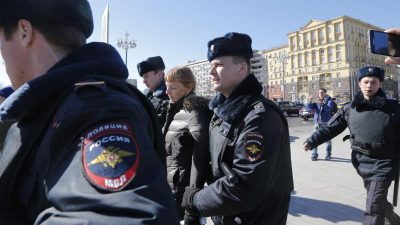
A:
(126, 44)
(282, 58)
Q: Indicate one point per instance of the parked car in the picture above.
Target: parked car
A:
(288, 108)
(306, 113)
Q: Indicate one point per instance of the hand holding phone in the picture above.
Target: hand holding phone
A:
(383, 43)
(393, 60)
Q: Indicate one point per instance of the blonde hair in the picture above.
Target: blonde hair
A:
(182, 75)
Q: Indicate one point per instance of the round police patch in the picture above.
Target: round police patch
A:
(253, 144)
(110, 155)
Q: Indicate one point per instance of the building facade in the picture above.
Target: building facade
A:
(276, 65)
(322, 54)
(326, 54)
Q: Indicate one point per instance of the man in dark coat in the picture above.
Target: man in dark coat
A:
(152, 71)
(249, 145)
(84, 147)
(374, 125)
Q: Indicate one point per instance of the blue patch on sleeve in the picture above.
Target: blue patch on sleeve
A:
(110, 155)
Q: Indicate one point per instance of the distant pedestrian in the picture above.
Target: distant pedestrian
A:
(374, 125)
(152, 71)
(322, 108)
(249, 145)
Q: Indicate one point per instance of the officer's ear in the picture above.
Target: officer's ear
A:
(25, 32)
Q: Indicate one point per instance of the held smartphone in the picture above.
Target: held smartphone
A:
(382, 43)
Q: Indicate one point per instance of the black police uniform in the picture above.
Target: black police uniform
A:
(160, 100)
(250, 134)
(83, 150)
(158, 97)
(374, 147)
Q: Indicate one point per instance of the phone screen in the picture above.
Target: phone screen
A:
(384, 43)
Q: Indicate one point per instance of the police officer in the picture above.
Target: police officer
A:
(152, 71)
(249, 145)
(374, 125)
(83, 150)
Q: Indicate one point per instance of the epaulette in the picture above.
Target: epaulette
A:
(90, 88)
(259, 107)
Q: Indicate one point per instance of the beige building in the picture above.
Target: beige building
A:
(324, 54)
(276, 65)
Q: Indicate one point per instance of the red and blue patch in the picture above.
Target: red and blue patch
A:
(110, 156)
(253, 145)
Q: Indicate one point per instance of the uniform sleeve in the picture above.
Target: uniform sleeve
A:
(336, 125)
(104, 167)
(198, 127)
(256, 163)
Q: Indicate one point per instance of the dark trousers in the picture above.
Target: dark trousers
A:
(377, 203)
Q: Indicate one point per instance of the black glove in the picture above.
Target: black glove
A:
(187, 201)
(191, 220)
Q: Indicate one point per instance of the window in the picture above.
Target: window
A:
(314, 57)
(300, 60)
(322, 55)
(307, 59)
(330, 58)
(321, 34)
(338, 52)
(313, 37)
(337, 28)
(306, 40)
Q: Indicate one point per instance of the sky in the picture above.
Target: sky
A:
(179, 30)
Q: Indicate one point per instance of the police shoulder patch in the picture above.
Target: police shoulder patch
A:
(253, 145)
(110, 155)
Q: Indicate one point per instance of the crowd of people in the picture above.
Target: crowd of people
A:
(79, 145)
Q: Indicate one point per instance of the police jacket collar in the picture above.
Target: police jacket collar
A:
(91, 59)
(160, 90)
(377, 102)
(231, 109)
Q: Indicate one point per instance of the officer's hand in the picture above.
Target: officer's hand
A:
(393, 60)
(191, 220)
(187, 200)
(306, 146)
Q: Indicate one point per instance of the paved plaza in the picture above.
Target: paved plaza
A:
(325, 192)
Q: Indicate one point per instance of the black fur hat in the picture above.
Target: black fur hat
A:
(371, 71)
(150, 64)
(231, 44)
(75, 13)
